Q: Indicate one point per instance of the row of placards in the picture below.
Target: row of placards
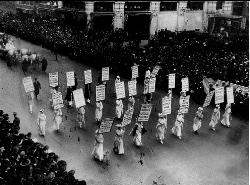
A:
(219, 95)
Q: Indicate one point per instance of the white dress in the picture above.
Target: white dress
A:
(131, 103)
(197, 121)
(81, 116)
(98, 111)
(215, 118)
(58, 118)
(161, 128)
(118, 143)
(225, 121)
(178, 126)
(137, 138)
(97, 152)
(41, 121)
(119, 108)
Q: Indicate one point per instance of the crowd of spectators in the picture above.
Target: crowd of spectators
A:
(24, 161)
(188, 54)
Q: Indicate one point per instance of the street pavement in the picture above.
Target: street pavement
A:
(211, 158)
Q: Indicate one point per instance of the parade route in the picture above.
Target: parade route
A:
(210, 158)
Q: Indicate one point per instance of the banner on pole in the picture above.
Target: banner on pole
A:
(28, 84)
(166, 105)
(208, 99)
(105, 74)
(120, 90)
(70, 79)
(145, 112)
(100, 92)
(132, 88)
(155, 71)
(127, 117)
(134, 71)
(171, 81)
(79, 98)
(152, 82)
(219, 95)
(88, 76)
(185, 84)
(230, 95)
(57, 100)
(53, 79)
(184, 104)
(106, 125)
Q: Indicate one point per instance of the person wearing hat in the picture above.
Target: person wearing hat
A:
(118, 142)
(161, 127)
(131, 102)
(227, 116)
(16, 120)
(41, 121)
(58, 119)
(197, 120)
(146, 90)
(30, 97)
(148, 73)
(81, 116)
(119, 109)
(137, 131)
(215, 117)
(97, 152)
(178, 126)
(98, 112)
(117, 80)
(37, 87)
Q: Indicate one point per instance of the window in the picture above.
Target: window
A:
(80, 5)
(219, 5)
(168, 6)
(238, 8)
(137, 6)
(103, 7)
(195, 5)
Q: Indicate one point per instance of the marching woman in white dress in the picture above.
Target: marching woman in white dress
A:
(161, 128)
(119, 109)
(197, 120)
(118, 143)
(81, 117)
(215, 117)
(227, 116)
(178, 126)
(97, 152)
(98, 111)
(58, 119)
(30, 96)
(117, 80)
(131, 102)
(41, 121)
(137, 132)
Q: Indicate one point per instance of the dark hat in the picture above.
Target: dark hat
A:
(14, 113)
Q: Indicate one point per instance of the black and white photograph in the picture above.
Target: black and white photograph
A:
(124, 92)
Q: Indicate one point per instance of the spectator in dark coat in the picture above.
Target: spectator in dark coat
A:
(44, 64)
(37, 87)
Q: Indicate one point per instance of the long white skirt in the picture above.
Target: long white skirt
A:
(58, 121)
(225, 121)
(118, 112)
(81, 120)
(119, 144)
(160, 133)
(137, 139)
(213, 122)
(98, 151)
(42, 125)
(176, 130)
(197, 124)
(98, 115)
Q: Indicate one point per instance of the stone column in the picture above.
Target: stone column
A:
(154, 9)
(89, 9)
(118, 20)
(181, 9)
(205, 16)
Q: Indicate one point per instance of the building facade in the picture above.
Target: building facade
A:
(152, 16)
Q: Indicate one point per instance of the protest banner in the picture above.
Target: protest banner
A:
(53, 79)
(106, 125)
(184, 104)
(79, 98)
(120, 90)
(57, 100)
(166, 105)
(219, 95)
(155, 71)
(145, 112)
(132, 88)
(230, 95)
(28, 84)
(185, 84)
(134, 71)
(100, 92)
(127, 117)
(152, 82)
(105, 73)
(70, 79)
(88, 76)
(171, 81)
(208, 99)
